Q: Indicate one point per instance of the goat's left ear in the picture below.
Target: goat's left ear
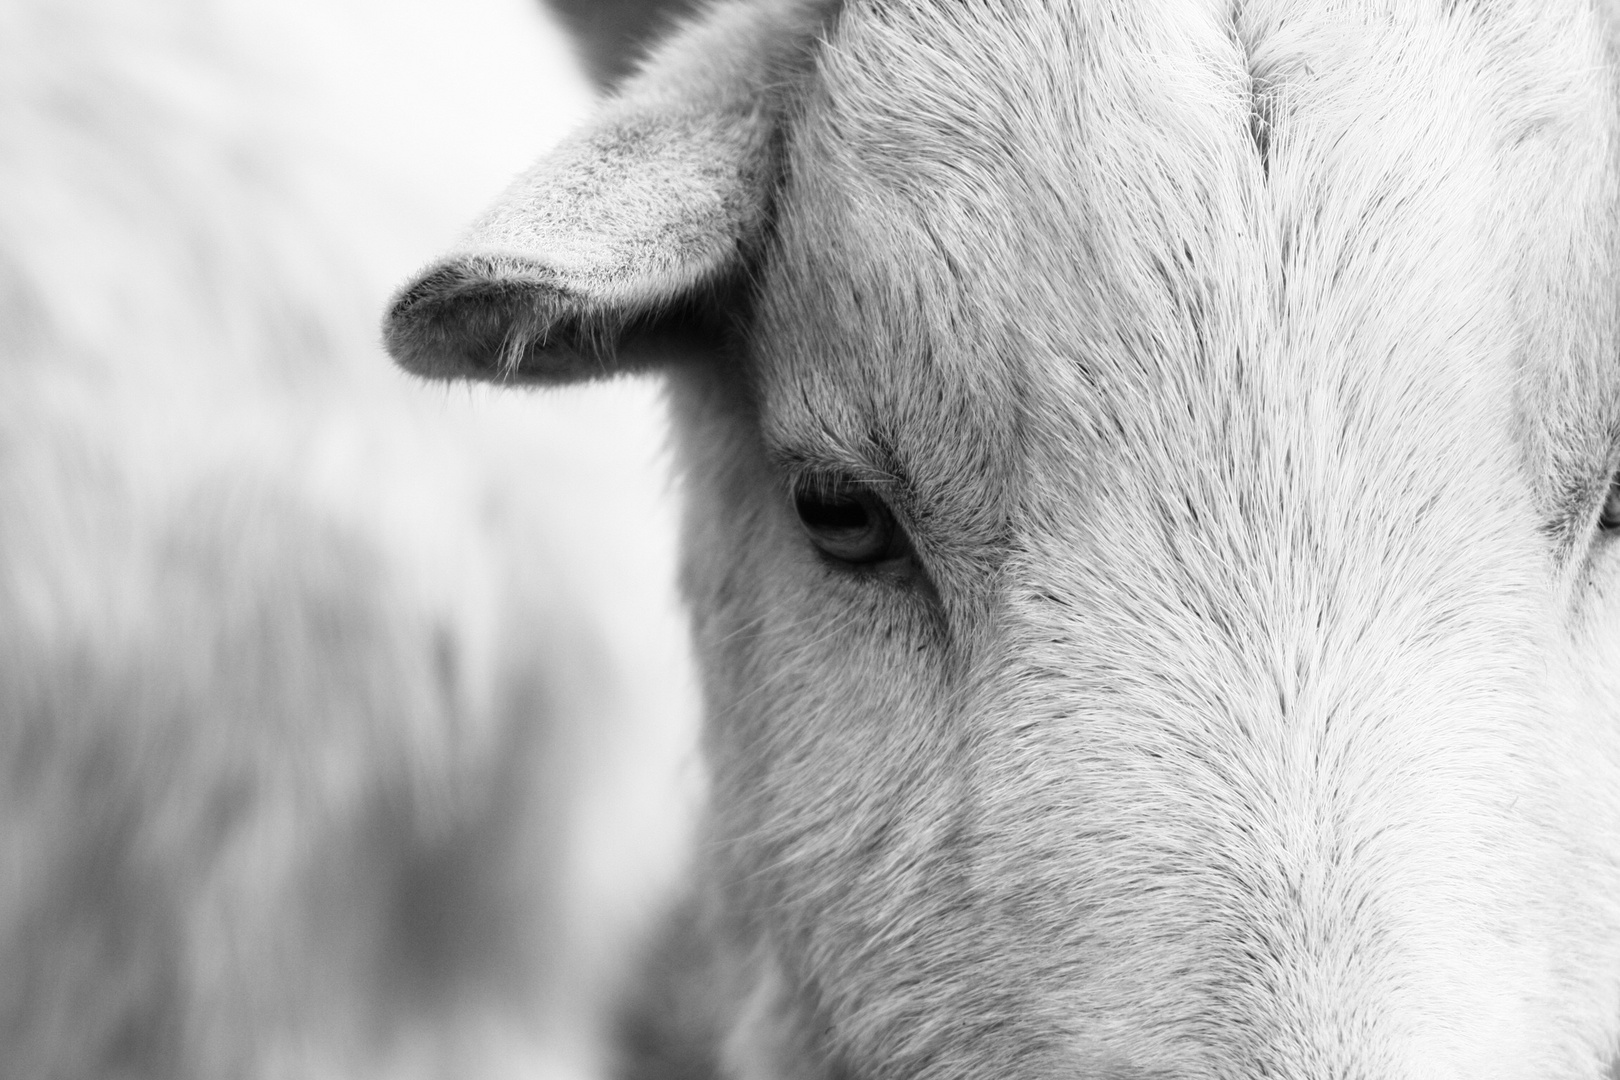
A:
(644, 212)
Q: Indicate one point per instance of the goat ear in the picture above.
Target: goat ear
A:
(643, 213)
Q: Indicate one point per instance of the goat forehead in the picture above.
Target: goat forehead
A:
(1129, 221)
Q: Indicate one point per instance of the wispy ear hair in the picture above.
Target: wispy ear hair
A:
(647, 211)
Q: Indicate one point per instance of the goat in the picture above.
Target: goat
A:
(1151, 521)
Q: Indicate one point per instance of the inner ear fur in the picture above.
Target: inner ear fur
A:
(635, 223)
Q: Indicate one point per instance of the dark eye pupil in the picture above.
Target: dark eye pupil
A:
(833, 513)
(848, 523)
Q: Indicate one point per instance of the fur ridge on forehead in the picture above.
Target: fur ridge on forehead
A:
(1002, 198)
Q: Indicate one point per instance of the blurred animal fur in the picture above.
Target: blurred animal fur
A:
(295, 695)
(1245, 379)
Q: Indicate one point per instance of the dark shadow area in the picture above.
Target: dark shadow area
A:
(614, 34)
(669, 1026)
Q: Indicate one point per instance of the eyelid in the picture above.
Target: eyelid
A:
(800, 469)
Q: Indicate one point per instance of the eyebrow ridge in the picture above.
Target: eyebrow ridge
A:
(875, 463)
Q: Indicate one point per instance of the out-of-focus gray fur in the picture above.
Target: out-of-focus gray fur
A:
(299, 707)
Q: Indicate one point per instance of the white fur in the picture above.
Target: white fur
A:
(1245, 377)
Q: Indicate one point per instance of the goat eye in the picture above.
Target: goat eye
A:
(848, 523)
(1609, 516)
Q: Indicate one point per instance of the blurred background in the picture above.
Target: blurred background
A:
(346, 723)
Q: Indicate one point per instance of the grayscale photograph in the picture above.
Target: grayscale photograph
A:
(810, 540)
